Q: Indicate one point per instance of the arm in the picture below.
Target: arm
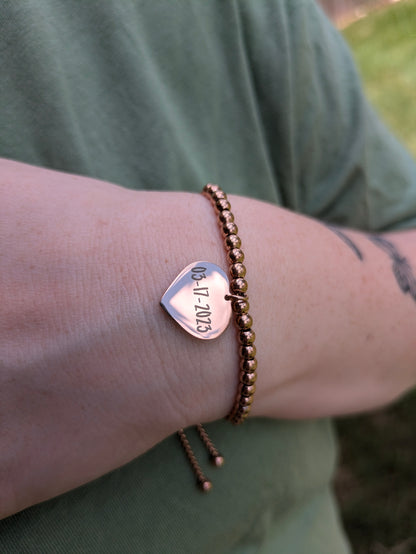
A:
(94, 373)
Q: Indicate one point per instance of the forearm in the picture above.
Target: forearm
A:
(338, 329)
(95, 372)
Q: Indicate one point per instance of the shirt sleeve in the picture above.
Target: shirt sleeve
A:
(334, 159)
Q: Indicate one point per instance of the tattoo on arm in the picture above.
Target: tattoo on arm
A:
(401, 267)
(343, 236)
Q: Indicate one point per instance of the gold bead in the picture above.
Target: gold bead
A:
(248, 352)
(247, 336)
(238, 270)
(248, 378)
(210, 188)
(243, 410)
(248, 365)
(226, 216)
(238, 286)
(246, 390)
(232, 241)
(230, 228)
(246, 400)
(244, 321)
(239, 419)
(235, 255)
(240, 415)
(222, 204)
(218, 195)
(240, 306)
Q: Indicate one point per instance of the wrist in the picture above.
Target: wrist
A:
(199, 377)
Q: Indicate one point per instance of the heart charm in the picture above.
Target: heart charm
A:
(196, 300)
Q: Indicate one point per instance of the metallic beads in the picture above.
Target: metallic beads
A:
(218, 195)
(239, 286)
(235, 255)
(246, 400)
(248, 378)
(240, 414)
(232, 241)
(222, 204)
(239, 303)
(248, 352)
(246, 390)
(210, 188)
(248, 365)
(226, 216)
(244, 321)
(230, 229)
(237, 270)
(247, 336)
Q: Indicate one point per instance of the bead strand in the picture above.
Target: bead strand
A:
(216, 458)
(239, 302)
(203, 482)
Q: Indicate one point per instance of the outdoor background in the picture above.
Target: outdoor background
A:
(376, 482)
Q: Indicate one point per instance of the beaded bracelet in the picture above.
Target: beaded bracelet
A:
(201, 300)
(239, 304)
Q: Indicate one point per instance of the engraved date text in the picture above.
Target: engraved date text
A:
(202, 310)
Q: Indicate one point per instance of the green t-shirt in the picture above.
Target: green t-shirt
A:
(261, 97)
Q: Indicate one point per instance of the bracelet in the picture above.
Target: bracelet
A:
(201, 300)
(239, 304)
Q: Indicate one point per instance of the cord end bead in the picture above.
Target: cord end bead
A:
(205, 485)
(217, 461)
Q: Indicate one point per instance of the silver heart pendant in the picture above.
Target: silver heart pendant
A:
(196, 300)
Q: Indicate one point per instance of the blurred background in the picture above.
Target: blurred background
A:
(376, 480)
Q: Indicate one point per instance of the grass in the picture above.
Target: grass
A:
(376, 482)
(384, 45)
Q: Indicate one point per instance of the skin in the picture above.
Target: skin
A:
(94, 372)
